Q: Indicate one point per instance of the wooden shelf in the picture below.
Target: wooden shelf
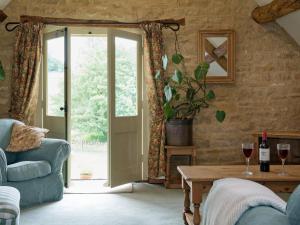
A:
(280, 134)
(276, 137)
(174, 180)
(179, 147)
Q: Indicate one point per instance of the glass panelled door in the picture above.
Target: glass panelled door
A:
(54, 107)
(101, 92)
(125, 107)
(55, 92)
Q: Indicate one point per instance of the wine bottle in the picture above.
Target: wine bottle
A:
(264, 154)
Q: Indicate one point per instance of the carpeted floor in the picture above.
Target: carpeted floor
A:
(147, 205)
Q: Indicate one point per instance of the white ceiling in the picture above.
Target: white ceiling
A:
(290, 22)
(4, 3)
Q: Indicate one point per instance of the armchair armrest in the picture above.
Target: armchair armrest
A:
(3, 166)
(55, 151)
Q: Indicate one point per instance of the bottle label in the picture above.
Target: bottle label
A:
(264, 154)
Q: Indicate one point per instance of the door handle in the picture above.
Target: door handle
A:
(63, 109)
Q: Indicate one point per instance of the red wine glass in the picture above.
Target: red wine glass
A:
(283, 151)
(247, 149)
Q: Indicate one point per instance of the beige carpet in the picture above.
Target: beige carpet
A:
(147, 205)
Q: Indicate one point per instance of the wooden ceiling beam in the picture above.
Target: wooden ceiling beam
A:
(274, 10)
(3, 16)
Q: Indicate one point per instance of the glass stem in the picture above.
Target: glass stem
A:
(282, 165)
(247, 161)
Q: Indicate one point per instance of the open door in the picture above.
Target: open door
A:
(125, 76)
(55, 86)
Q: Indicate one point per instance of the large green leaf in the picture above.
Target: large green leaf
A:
(177, 58)
(168, 111)
(177, 77)
(201, 71)
(210, 95)
(220, 116)
(168, 93)
(165, 61)
(198, 73)
(2, 73)
(158, 75)
(205, 66)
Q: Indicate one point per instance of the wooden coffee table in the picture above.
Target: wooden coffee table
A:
(197, 180)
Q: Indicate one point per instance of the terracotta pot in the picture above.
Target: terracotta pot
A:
(86, 176)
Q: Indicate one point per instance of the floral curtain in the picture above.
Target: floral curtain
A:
(154, 51)
(25, 79)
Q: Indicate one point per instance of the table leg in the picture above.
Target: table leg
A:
(196, 199)
(187, 201)
(197, 217)
(194, 158)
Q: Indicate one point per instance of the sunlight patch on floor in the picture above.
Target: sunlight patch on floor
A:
(95, 187)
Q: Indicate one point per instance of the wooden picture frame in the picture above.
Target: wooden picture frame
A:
(217, 47)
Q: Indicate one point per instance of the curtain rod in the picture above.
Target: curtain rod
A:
(167, 23)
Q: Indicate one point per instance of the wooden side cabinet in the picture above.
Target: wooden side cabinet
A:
(276, 137)
(173, 178)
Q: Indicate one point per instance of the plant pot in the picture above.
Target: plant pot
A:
(179, 132)
(86, 175)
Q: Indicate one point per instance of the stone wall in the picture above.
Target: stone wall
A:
(266, 93)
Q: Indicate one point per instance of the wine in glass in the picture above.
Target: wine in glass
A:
(247, 149)
(283, 151)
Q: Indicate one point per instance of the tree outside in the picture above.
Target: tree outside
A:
(89, 88)
(89, 97)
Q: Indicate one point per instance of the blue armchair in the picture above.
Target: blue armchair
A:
(264, 215)
(36, 173)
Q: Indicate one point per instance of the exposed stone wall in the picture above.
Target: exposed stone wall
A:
(266, 93)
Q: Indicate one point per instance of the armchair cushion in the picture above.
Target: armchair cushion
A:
(27, 170)
(25, 137)
(6, 126)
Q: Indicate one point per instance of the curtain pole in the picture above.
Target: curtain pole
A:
(167, 23)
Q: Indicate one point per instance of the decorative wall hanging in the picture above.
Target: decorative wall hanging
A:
(218, 49)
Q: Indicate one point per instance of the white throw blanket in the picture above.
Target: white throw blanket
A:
(229, 198)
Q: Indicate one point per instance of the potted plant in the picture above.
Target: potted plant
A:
(184, 97)
(86, 175)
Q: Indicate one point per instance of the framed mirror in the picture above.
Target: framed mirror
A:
(218, 49)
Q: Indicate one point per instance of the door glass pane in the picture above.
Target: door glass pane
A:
(125, 77)
(55, 76)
